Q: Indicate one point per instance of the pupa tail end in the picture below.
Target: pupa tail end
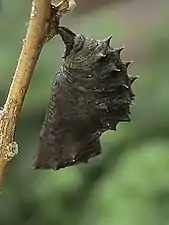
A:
(56, 158)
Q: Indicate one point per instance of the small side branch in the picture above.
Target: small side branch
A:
(40, 19)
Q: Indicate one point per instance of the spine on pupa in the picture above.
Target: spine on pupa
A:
(91, 93)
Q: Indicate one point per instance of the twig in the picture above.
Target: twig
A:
(40, 19)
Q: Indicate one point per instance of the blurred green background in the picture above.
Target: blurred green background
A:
(129, 183)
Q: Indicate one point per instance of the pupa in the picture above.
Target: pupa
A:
(91, 93)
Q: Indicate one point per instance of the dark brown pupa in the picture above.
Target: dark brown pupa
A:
(91, 93)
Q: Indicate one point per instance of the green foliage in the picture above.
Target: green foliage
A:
(129, 183)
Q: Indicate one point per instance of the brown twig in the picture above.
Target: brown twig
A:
(40, 19)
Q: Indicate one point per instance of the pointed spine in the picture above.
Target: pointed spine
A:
(108, 40)
(127, 64)
(132, 79)
(119, 50)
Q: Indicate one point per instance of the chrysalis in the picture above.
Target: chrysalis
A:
(91, 93)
